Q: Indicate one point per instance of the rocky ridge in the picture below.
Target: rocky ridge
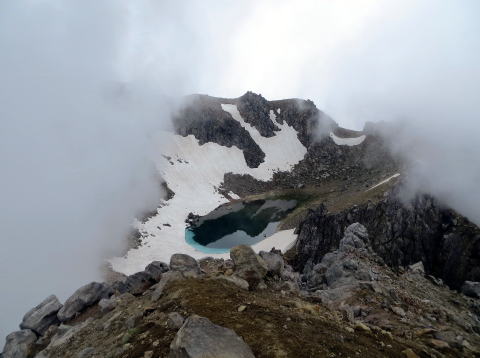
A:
(255, 305)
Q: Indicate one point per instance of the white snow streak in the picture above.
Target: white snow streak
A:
(196, 173)
(347, 141)
(384, 181)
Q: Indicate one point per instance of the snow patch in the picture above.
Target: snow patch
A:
(194, 172)
(384, 181)
(347, 141)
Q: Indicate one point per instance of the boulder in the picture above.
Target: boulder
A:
(199, 337)
(274, 261)
(107, 304)
(42, 316)
(156, 269)
(248, 265)
(82, 298)
(139, 282)
(185, 264)
(471, 289)
(19, 344)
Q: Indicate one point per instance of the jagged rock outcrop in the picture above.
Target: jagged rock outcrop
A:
(82, 298)
(401, 234)
(204, 118)
(42, 316)
(199, 337)
(248, 265)
(344, 269)
(255, 110)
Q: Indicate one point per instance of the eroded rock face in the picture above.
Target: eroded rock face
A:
(42, 316)
(248, 265)
(19, 344)
(84, 297)
(446, 243)
(255, 110)
(199, 338)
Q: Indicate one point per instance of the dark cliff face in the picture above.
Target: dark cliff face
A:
(447, 243)
(255, 110)
(204, 118)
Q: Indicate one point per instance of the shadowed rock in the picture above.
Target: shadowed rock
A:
(156, 268)
(471, 289)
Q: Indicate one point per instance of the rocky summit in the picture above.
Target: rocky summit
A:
(353, 270)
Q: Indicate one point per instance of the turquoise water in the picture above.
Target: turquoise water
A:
(238, 223)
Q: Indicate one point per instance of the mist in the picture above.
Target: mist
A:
(85, 85)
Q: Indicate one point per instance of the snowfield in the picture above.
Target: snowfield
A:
(196, 173)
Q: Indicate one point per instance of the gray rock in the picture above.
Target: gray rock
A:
(107, 304)
(134, 320)
(471, 289)
(166, 278)
(65, 334)
(237, 281)
(199, 338)
(156, 269)
(19, 344)
(86, 353)
(185, 264)
(248, 265)
(274, 261)
(417, 268)
(175, 320)
(84, 297)
(355, 237)
(42, 316)
(345, 269)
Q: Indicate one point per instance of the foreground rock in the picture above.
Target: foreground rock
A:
(84, 297)
(19, 344)
(199, 338)
(42, 316)
(185, 264)
(248, 265)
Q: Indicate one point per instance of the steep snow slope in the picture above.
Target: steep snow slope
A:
(194, 172)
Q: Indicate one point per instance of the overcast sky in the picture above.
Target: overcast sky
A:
(85, 83)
